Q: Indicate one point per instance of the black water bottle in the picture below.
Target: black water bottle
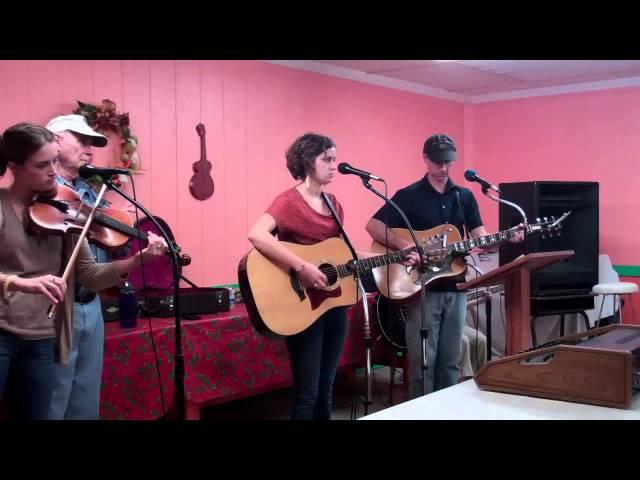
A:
(128, 306)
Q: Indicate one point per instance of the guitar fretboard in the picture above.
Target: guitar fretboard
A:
(203, 145)
(484, 241)
(366, 264)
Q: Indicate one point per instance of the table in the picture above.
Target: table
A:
(225, 359)
(465, 401)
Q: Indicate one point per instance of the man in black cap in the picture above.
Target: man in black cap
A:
(431, 201)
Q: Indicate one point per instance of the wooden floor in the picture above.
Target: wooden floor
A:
(347, 403)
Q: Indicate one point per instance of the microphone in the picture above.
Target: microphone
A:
(472, 176)
(87, 171)
(347, 169)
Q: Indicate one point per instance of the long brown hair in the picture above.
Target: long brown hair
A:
(20, 141)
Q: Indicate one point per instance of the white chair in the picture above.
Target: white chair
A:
(606, 274)
(616, 290)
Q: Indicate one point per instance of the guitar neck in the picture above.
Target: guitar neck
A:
(484, 241)
(203, 149)
(367, 264)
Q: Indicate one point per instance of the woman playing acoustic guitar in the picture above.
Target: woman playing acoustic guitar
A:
(301, 216)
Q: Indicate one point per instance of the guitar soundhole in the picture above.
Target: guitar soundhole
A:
(330, 271)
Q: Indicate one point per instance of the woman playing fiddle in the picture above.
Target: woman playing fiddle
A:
(31, 263)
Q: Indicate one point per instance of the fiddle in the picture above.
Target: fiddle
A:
(64, 212)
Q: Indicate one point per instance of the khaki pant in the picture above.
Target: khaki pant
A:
(473, 353)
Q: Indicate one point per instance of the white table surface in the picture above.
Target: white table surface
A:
(465, 401)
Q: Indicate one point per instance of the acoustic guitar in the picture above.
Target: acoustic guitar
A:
(278, 304)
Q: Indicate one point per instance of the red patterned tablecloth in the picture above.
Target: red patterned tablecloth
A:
(225, 358)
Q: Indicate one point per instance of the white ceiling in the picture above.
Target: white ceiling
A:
(482, 80)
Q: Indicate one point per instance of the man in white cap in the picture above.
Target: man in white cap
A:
(76, 392)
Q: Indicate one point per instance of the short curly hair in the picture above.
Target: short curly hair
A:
(302, 153)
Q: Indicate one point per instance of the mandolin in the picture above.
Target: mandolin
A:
(201, 184)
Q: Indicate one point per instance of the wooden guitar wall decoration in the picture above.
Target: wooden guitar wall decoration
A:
(201, 184)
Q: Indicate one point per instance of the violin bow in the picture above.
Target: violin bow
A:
(74, 255)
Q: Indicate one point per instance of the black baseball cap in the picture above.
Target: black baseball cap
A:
(440, 148)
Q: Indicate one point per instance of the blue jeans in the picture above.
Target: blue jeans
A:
(76, 389)
(29, 364)
(445, 314)
(314, 355)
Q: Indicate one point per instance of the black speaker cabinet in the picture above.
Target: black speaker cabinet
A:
(564, 286)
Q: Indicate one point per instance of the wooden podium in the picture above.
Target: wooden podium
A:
(516, 278)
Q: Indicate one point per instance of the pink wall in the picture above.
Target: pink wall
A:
(252, 111)
(592, 136)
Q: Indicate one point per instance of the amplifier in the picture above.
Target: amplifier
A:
(193, 301)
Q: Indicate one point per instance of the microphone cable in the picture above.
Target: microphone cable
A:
(146, 303)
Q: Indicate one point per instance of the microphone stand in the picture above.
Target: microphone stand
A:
(485, 190)
(421, 270)
(179, 393)
(367, 399)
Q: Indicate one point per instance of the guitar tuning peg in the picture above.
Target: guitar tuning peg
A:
(543, 237)
(545, 219)
(538, 219)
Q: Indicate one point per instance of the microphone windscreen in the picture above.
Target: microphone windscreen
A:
(343, 167)
(470, 175)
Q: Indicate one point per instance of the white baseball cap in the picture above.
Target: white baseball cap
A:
(77, 124)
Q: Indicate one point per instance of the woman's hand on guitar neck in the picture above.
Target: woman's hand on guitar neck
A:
(311, 277)
(410, 260)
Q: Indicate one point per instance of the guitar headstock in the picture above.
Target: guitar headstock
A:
(201, 130)
(549, 226)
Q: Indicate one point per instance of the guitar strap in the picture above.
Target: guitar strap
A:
(329, 203)
(464, 222)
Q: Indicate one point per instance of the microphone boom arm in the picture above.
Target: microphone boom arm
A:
(367, 185)
(423, 266)
(506, 202)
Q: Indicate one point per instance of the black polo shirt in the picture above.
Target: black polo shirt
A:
(427, 208)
